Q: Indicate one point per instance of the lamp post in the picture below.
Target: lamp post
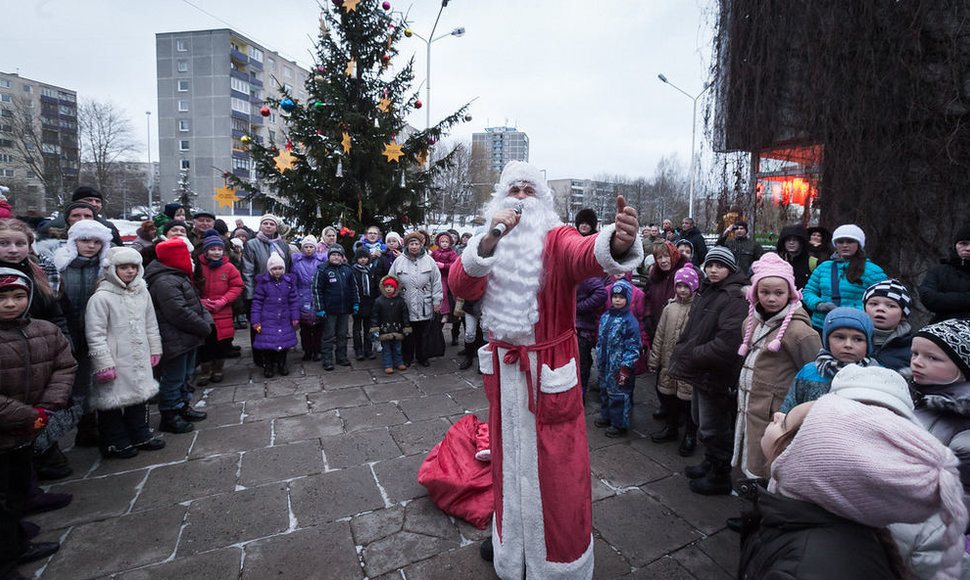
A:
(151, 174)
(693, 135)
(460, 31)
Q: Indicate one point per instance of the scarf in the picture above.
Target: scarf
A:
(881, 337)
(264, 238)
(216, 263)
(828, 365)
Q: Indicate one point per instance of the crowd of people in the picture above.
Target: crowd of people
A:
(750, 345)
(799, 366)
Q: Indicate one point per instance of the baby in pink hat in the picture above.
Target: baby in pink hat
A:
(778, 341)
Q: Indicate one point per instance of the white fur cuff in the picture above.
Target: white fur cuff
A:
(475, 265)
(601, 249)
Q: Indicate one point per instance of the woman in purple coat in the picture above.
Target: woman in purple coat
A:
(303, 266)
(275, 315)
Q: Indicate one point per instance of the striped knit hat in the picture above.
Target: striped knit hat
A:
(892, 289)
(953, 336)
(721, 255)
(770, 266)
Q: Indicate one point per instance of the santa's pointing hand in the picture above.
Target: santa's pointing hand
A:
(626, 228)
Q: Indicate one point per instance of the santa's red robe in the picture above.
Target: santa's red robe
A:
(540, 457)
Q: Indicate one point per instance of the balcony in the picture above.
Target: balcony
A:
(256, 64)
(239, 75)
(237, 134)
(46, 99)
(239, 154)
(255, 81)
(238, 115)
(243, 173)
(256, 119)
(237, 56)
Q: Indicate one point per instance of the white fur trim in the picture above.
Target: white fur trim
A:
(485, 361)
(475, 265)
(558, 380)
(604, 256)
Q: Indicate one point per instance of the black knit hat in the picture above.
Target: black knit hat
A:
(171, 224)
(892, 289)
(361, 252)
(84, 192)
(587, 216)
(953, 336)
(962, 234)
(722, 255)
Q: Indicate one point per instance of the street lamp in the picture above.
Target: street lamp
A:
(693, 135)
(460, 31)
(151, 174)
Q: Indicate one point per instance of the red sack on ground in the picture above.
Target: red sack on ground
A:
(458, 483)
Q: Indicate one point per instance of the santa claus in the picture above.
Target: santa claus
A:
(525, 268)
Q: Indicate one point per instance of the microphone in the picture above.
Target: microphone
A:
(499, 229)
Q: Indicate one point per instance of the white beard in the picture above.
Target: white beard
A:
(510, 306)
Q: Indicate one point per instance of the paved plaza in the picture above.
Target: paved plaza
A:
(314, 475)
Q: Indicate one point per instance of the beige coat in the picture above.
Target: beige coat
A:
(122, 334)
(673, 319)
(765, 378)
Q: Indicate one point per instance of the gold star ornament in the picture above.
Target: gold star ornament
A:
(351, 5)
(384, 105)
(225, 196)
(345, 142)
(284, 160)
(351, 65)
(393, 152)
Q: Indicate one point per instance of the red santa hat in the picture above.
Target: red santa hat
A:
(174, 253)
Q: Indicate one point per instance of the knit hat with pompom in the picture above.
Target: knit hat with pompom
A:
(770, 266)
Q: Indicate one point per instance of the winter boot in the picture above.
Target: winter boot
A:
(172, 422)
(217, 373)
(698, 471)
(689, 442)
(190, 414)
(52, 464)
(269, 364)
(672, 418)
(455, 327)
(281, 364)
(467, 356)
(205, 374)
(716, 482)
(87, 431)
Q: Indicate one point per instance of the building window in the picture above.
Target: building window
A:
(4, 98)
(4, 84)
(6, 158)
(183, 106)
(184, 145)
(183, 66)
(6, 128)
(66, 96)
(184, 164)
(31, 175)
(180, 46)
(45, 92)
(66, 110)
(239, 105)
(8, 143)
(270, 63)
(28, 89)
(183, 86)
(287, 72)
(183, 125)
(255, 54)
(6, 172)
(6, 113)
(240, 163)
(239, 85)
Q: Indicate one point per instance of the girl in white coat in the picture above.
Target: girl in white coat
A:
(124, 345)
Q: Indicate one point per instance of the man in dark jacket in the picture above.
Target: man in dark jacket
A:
(689, 232)
(746, 251)
(706, 357)
(945, 290)
(95, 199)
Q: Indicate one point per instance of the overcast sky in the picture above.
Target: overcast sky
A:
(580, 78)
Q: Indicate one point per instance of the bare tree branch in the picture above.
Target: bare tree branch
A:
(106, 138)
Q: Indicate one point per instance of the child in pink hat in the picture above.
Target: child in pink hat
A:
(778, 341)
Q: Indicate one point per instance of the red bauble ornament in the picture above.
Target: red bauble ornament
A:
(264, 111)
(417, 104)
(225, 175)
(386, 58)
(386, 6)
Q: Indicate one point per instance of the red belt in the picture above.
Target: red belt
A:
(520, 353)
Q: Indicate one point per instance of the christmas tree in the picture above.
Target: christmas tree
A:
(348, 157)
(184, 193)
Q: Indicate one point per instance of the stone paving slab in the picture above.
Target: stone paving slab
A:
(91, 550)
(325, 551)
(429, 407)
(620, 466)
(95, 506)
(395, 391)
(224, 520)
(286, 406)
(421, 436)
(215, 564)
(172, 484)
(640, 528)
(360, 447)
(303, 427)
(379, 415)
(399, 488)
(320, 499)
(231, 439)
(280, 462)
(176, 449)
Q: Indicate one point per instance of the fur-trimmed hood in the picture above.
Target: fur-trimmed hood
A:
(82, 230)
(397, 289)
(954, 400)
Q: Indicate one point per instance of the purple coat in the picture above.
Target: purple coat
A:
(276, 304)
(590, 297)
(303, 267)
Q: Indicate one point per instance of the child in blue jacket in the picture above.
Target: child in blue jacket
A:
(335, 298)
(616, 353)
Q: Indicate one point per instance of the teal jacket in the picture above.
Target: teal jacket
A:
(819, 287)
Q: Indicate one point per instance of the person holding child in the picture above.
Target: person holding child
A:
(36, 377)
(124, 342)
(778, 341)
